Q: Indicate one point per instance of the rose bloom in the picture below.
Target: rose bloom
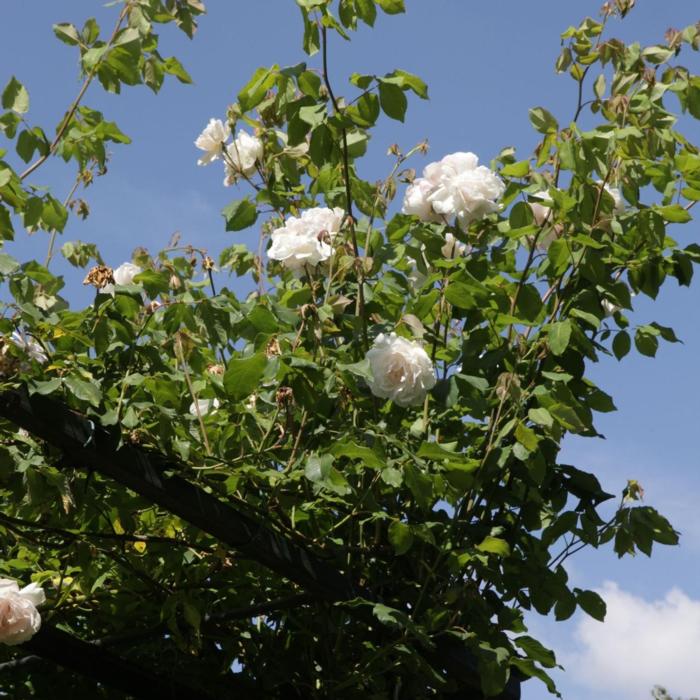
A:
(541, 212)
(401, 370)
(123, 275)
(452, 248)
(457, 186)
(205, 406)
(30, 346)
(241, 156)
(415, 200)
(19, 617)
(212, 140)
(616, 194)
(609, 308)
(306, 240)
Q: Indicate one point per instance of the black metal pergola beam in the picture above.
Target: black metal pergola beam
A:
(103, 666)
(91, 446)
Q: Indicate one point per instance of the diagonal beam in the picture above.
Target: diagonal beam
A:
(91, 446)
(107, 668)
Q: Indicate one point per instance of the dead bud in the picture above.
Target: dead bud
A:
(284, 396)
(99, 276)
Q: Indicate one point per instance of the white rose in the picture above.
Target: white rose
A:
(306, 240)
(30, 346)
(452, 248)
(616, 194)
(241, 156)
(609, 308)
(19, 617)
(541, 212)
(415, 200)
(123, 275)
(212, 140)
(204, 405)
(401, 370)
(416, 279)
(462, 188)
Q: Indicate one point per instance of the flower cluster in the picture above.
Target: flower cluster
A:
(306, 240)
(401, 370)
(240, 156)
(455, 187)
(19, 618)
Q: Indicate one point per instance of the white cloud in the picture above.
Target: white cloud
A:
(641, 644)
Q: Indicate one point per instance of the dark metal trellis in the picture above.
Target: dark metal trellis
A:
(93, 447)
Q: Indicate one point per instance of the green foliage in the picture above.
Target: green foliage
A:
(451, 518)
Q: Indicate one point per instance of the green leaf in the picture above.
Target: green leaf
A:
(494, 545)
(359, 452)
(321, 145)
(7, 264)
(67, 33)
(558, 336)
(313, 115)
(393, 100)
(408, 81)
(674, 213)
(255, 90)
(646, 343)
(367, 11)
(434, 451)
(526, 437)
(536, 651)
(15, 97)
(519, 169)
(621, 344)
(392, 7)
(543, 121)
(566, 417)
(85, 391)
(240, 214)
(541, 416)
(400, 536)
(173, 67)
(310, 84)
(320, 470)
(242, 376)
(591, 603)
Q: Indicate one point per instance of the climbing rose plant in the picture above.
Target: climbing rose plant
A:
(393, 395)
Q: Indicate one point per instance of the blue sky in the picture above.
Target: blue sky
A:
(485, 64)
